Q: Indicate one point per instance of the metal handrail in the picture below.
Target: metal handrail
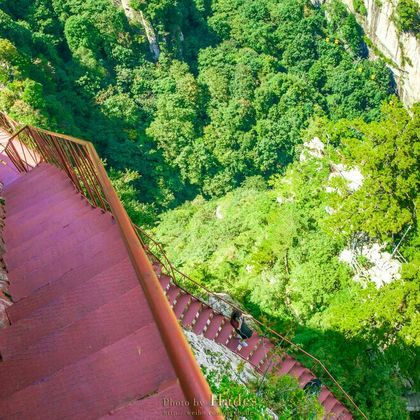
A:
(78, 158)
(171, 272)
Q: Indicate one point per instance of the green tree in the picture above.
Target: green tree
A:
(387, 153)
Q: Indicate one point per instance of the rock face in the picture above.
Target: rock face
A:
(138, 17)
(371, 263)
(402, 49)
(214, 356)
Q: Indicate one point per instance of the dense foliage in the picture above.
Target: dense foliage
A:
(203, 105)
(408, 16)
(258, 399)
(234, 85)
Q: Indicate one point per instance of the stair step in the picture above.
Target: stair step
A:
(98, 329)
(225, 333)
(172, 294)
(36, 182)
(38, 206)
(72, 304)
(46, 269)
(340, 411)
(191, 313)
(156, 266)
(19, 231)
(52, 186)
(8, 174)
(305, 377)
(297, 370)
(233, 343)
(271, 364)
(79, 229)
(62, 248)
(182, 304)
(325, 393)
(34, 223)
(105, 258)
(126, 370)
(212, 330)
(261, 352)
(253, 343)
(287, 365)
(26, 177)
(165, 281)
(203, 320)
(329, 403)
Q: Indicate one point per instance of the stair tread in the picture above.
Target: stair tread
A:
(156, 406)
(8, 175)
(329, 403)
(191, 313)
(28, 208)
(214, 326)
(24, 283)
(98, 329)
(70, 305)
(111, 376)
(36, 183)
(263, 349)
(202, 320)
(181, 304)
(104, 259)
(79, 229)
(172, 293)
(252, 342)
(225, 333)
(22, 175)
(44, 190)
(286, 365)
(164, 281)
(19, 231)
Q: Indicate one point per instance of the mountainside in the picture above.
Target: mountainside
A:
(394, 30)
(265, 144)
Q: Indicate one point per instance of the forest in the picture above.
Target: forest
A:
(205, 113)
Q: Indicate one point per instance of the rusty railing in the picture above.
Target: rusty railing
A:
(29, 146)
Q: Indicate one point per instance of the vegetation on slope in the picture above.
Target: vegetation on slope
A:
(233, 88)
(218, 121)
(275, 248)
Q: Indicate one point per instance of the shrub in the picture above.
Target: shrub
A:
(408, 16)
(359, 7)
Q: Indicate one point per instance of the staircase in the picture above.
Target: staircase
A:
(86, 340)
(83, 342)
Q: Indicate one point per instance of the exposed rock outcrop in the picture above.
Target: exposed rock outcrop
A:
(402, 50)
(371, 263)
(138, 17)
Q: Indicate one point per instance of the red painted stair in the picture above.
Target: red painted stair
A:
(82, 342)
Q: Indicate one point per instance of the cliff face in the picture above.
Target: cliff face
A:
(138, 17)
(402, 49)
